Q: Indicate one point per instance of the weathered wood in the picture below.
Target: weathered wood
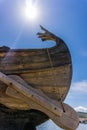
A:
(14, 103)
(34, 66)
(32, 94)
(69, 119)
(49, 70)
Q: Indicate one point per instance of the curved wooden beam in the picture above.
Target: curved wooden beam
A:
(67, 119)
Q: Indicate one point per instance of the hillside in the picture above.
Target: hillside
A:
(82, 115)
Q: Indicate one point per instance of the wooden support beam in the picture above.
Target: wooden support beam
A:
(32, 94)
(67, 120)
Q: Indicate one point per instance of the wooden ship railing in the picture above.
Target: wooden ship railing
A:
(34, 83)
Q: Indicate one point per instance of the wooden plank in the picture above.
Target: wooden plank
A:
(14, 103)
(28, 61)
(68, 120)
(32, 94)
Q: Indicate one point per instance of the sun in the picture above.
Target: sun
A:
(30, 11)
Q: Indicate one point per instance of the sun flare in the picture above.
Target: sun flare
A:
(30, 11)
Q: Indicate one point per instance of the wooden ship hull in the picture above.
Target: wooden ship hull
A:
(48, 71)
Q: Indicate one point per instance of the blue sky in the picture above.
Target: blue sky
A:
(65, 18)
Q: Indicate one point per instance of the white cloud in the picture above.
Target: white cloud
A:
(81, 109)
(80, 86)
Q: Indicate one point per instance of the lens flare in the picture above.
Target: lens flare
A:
(30, 11)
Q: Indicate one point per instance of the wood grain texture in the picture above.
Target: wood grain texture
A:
(35, 68)
(48, 70)
(67, 119)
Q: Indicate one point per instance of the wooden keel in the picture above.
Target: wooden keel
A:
(67, 119)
